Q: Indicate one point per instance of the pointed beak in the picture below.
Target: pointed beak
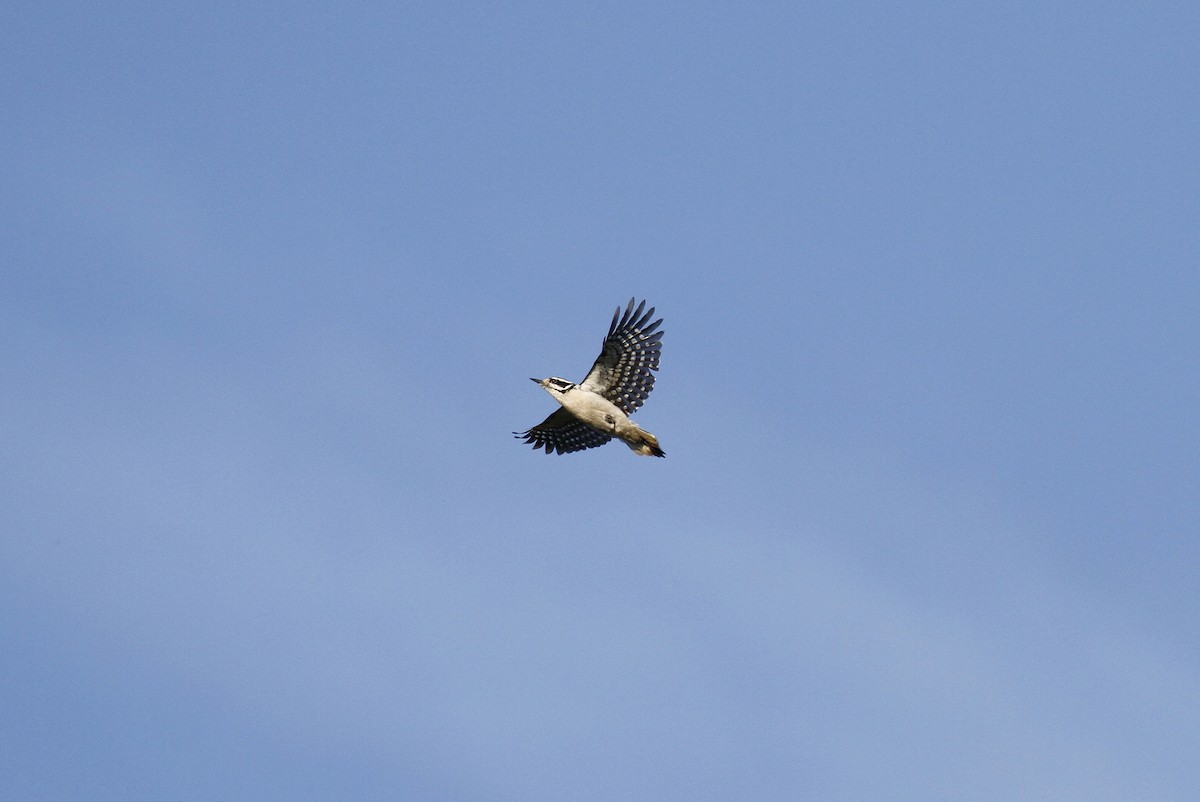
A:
(539, 381)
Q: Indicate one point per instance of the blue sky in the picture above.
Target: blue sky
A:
(275, 277)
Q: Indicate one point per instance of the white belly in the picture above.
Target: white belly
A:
(596, 411)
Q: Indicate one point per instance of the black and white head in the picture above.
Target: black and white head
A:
(555, 384)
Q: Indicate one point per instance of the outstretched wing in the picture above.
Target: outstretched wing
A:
(563, 433)
(624, 371)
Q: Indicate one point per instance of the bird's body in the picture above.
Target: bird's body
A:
(600, 414)
(598, 409)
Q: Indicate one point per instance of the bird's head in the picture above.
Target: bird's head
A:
(554, 384)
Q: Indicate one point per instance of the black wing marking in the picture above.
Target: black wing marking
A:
(624, 371)
(563, 433)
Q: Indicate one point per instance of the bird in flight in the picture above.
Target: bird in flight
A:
(598, 409)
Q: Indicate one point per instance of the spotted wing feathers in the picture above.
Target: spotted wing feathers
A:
(624, 371)
(563, 433)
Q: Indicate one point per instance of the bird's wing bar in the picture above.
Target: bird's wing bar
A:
(624, 371)
(563, 433)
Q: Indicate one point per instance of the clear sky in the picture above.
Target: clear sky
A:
(273, 278)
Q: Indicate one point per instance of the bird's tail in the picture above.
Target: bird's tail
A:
(646, 444)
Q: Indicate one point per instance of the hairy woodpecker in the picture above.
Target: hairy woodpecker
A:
(598, 409)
